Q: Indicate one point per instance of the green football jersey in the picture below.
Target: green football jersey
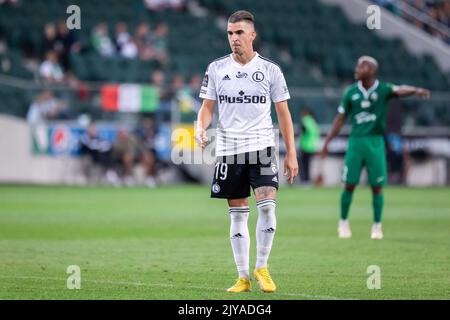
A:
(367, 108)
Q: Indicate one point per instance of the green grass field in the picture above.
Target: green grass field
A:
(172, 243)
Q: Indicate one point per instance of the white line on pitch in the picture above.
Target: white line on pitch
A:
(143, 284)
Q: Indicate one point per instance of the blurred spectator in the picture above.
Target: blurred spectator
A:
(99, 150)
(129, 49)
(49, 41)
(131, 149)
(178, 88)
(125, 45)
(66, 44)
(122, 35)
(308, 143)
(14, 3)
(98, 162)
(186, 99)
(144, 42)
(101, 40)
(50, 69)
(159, 43)
(157, 5)
(397, 155)
(46, 107)
(158, 80)
(182, 93)
(125, 152)
(194, 87)
(178, 83)
(437, 10)
(146, 134)
(195, 84)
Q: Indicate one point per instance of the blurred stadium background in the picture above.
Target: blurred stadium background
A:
(96, 107)
(132, 73)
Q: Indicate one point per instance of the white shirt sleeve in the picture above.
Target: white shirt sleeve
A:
(33, 115)
(208, 88)
(278, 88)
(45, 70)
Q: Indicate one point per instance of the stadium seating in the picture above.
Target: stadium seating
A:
(321, 43)
(318, 35)
(11, 64)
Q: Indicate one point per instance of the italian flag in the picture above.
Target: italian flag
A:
(129, 98)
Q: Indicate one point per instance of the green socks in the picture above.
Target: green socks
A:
(346, 200)
(377, 203)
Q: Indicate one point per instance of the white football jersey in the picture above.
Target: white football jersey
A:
(244, 94)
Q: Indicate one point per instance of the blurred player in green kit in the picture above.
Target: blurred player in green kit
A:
(365, 103)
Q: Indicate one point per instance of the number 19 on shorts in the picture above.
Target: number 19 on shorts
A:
(221, 171)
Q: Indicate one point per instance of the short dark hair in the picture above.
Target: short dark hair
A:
(241, 15)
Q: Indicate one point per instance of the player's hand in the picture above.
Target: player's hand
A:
(423, 93)
(200, 137)
(324, 151)
(291, 167)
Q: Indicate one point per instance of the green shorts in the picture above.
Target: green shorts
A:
(369, 152)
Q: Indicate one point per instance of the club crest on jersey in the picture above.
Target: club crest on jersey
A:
(374, 96)
(258, 76)
(274, 167)
(365, 104)
(241, 75)
(215, 188)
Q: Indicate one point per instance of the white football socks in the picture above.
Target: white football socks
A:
(265, 230)
(240, 239)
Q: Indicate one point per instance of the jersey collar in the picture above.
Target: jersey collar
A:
(365, 92)
(248, 63)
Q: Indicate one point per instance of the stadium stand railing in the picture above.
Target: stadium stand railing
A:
(315, 45)
(418, 13)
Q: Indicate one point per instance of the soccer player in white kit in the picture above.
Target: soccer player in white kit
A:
(244, 84)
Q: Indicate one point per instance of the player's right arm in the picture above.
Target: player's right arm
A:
(338, 122)
(204, 118)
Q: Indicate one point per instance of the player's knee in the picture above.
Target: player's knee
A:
(266, 212)
(350, 187)
(239, 216)
(377, 190)
(266, 206)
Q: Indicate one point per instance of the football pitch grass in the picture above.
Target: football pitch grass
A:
(173, 243)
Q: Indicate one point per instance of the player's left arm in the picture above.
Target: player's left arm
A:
(405, 90)
(287, 131)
